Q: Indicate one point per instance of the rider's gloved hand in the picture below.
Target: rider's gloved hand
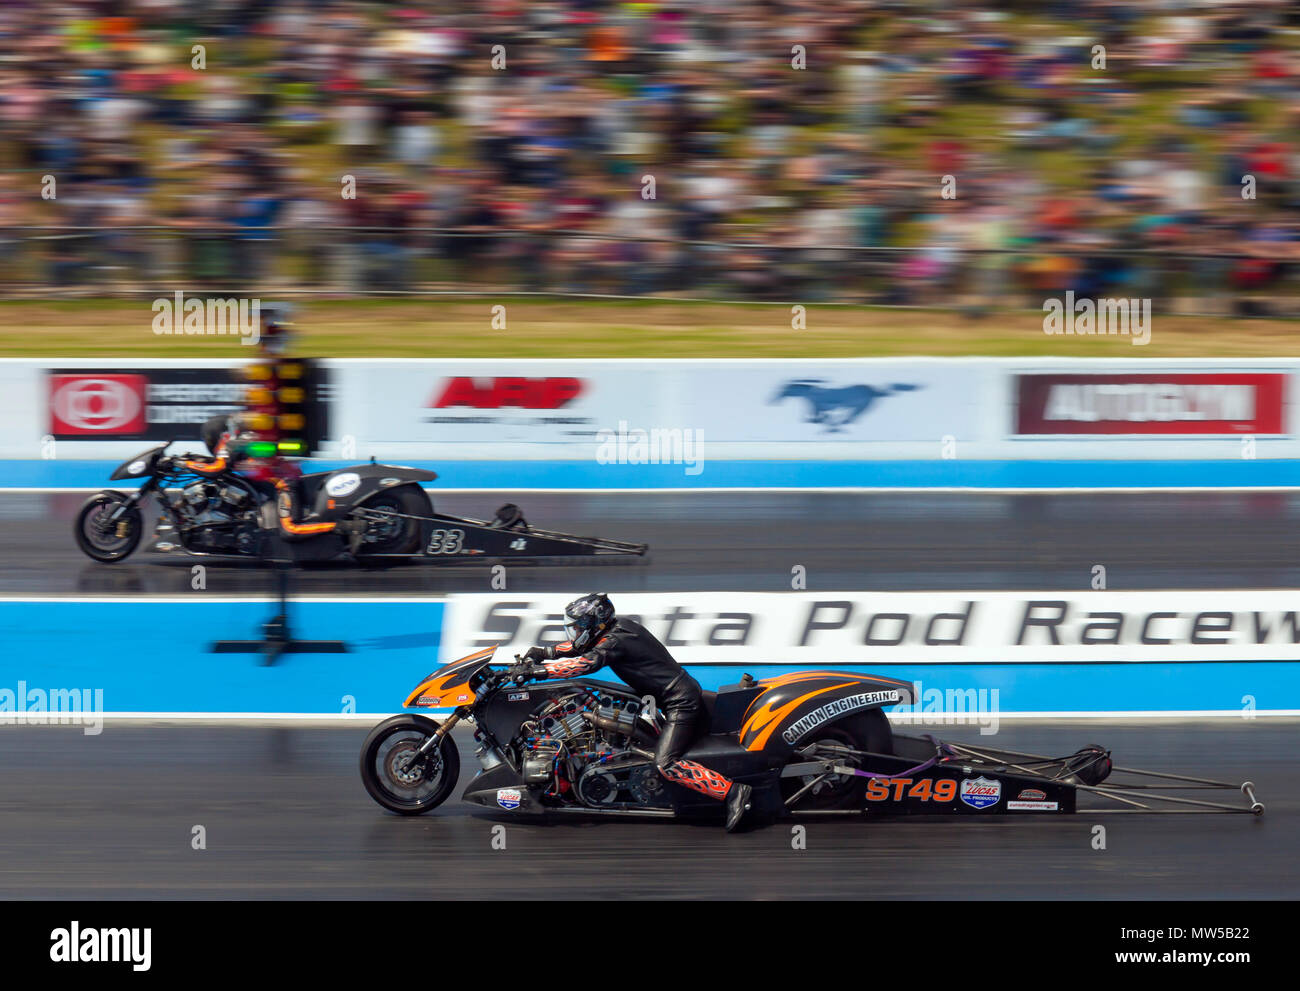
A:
(525, 670)
(536, 654)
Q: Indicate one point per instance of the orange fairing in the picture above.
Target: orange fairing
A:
(788, 697)
(763, 723)
(448, 687)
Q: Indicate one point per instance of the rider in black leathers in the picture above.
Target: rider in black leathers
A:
(598, 638)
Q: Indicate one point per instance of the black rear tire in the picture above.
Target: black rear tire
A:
(108, 545)
(411, 792)
(868, 731)
(402, 536)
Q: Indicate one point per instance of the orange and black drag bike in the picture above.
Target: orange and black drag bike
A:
(581, 745)
(809, 742)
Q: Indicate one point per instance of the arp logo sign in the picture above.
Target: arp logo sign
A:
(97, 405)
(506, 392)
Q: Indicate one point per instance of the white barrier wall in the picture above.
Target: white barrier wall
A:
(739, 409)
(887, 628)
(863, 409)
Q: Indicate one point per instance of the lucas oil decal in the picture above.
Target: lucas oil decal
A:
(509, 798)
(839, 707)
(980, 793)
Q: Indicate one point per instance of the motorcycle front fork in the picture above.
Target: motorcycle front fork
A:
(433, 741)
(136, 498)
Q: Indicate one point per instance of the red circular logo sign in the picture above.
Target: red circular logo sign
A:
(97, 404)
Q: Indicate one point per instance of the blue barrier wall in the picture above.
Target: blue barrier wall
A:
(991, 474)
(153, 656)
(1079, 688)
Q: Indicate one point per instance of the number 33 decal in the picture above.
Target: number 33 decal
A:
(446, 541)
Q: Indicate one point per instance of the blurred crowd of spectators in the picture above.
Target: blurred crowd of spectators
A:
(527, 166)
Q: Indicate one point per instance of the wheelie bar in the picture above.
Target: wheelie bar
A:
(1248, 789)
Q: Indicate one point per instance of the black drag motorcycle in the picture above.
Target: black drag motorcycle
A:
(383, 510)
(811, 742)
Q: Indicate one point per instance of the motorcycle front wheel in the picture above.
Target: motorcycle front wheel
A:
(396, 784)
(103, 538)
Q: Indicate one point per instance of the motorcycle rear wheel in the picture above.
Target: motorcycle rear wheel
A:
(408, 791)
(867, 731)
(399, 534)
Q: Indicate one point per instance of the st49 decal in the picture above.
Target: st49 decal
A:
(918, 789)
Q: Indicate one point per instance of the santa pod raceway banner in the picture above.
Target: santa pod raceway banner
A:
(1215, 652)
(883, 628)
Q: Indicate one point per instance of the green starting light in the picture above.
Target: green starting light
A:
(262, 448)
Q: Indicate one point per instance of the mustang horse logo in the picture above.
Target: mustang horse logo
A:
(834, 408)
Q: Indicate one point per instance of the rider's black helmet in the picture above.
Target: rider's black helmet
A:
(586, 619)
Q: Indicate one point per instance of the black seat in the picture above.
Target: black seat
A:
(727, 707)
(509, 517)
